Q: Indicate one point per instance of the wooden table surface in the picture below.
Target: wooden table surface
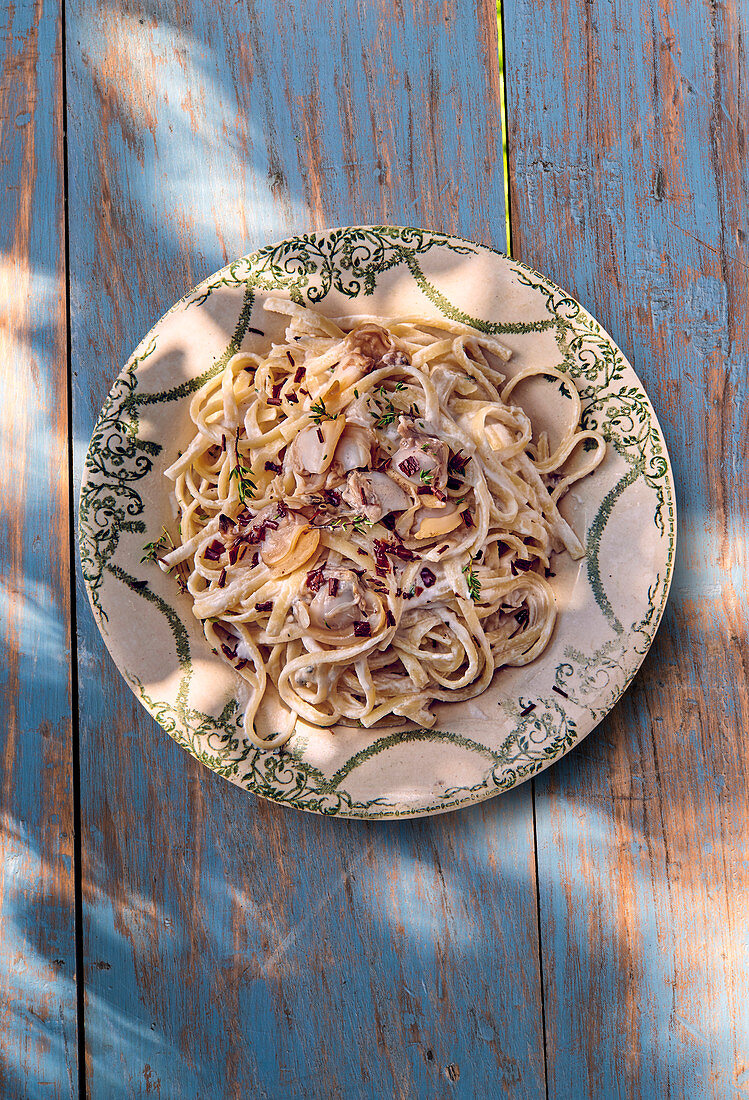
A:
(164, 934)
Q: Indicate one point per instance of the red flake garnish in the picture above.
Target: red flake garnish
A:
(409, 466)
(389, 522)
(276, 390)
(380, 555)
(270, 523)
(228, 652)
(300, 372)
(439, 495)
(523, 616)
(222, 578)
(214, 551)
(292, 398)
(224, 524)
(282, 509)
(468, 519)
(458, 462)
(273, 400)
(290, 357)
(378, 586)
(266, 606)
(234, 554)
(389, 617)
(519, 564)
(362, 494)
(332, 586)
(255, 559)
(362, 629)
(424, 491)
(441, 549)
(274, 467)
(381, 570)
(223, 442)
(314, 579)
(453, 483)
(320, 436)
(241, 663)
(418, 590)
(399, 551)
(332, 497)
(245, 517)
(427, 577)
(527, 710)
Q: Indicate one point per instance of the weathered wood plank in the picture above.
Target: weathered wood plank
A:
(233, 947)
(37, 909)
(630, 183)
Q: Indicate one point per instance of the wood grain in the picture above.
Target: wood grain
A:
(37, 908)
(630, 183)
(235, 948)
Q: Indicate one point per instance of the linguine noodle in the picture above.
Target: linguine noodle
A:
(367, 520)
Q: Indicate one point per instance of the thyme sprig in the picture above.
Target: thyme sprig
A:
(318, 413)
(473, 582)
(152, 550)
(246, 486)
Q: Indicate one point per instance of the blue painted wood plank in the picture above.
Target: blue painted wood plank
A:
(38, 1055)
(234, 947)
(630, 187)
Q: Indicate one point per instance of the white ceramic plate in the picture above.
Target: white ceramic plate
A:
(610, 603)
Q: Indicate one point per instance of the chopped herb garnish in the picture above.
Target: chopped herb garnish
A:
(474, 584)
(426, 476)
(318, 412)
(246, 486)
(151, 550)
